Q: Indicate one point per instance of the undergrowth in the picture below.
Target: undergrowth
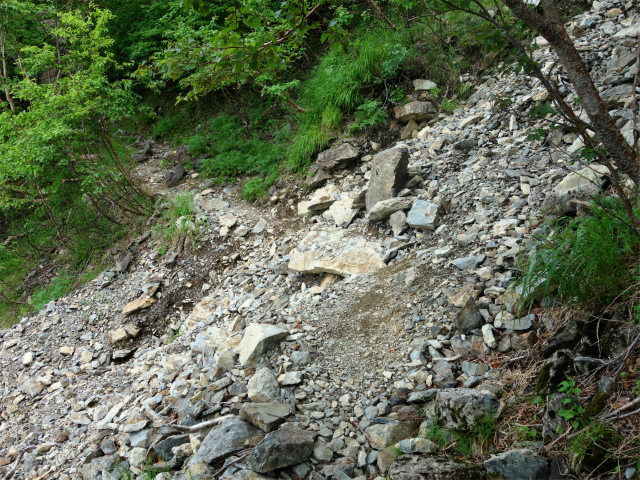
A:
(588, 261)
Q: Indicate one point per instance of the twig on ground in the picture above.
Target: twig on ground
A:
(200, 426)
(15, 467)
(365, 435)
(626, 356)
(221, 470)
(626, 406)
(561, 437)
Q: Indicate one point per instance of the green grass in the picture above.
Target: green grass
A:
(178, 221)
(587, 260)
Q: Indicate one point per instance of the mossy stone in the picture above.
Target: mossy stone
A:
(596, 405)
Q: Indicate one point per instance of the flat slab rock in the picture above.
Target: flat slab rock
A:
(462, 408)
(334, 252)
(388, 175)
(225, 440)
(516, 464)
(337, 157)
(266, 416)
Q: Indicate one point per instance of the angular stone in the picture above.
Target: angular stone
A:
(524, 341)
(424, 215)
(337, 157)
(258, 339)
(173, 175)
(388, 175)
(67, 351)
(323, 198)
(228, 220)
(385, 434)
(242, 475)
(415, 111)
(584, 182)
(164, 448)
(468, 263)
(488, 337)
(342, 212)
(117, 335)
(515, 465)
(263, 387)
(383, 210)
(398, 222)
(469, 317)
(566, 337)
(462, 408)
(266, 416)
(431, 467)
(333, 252)
(143, 302)
(421, 85)
(288, 446)
(225, 440)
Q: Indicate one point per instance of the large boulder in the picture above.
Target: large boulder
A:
(221, 442)
(323, 198)
(575, 190)
(431, 467)
(515, 465)
(418, 111)
(462, 408)
(332, 252)
(388, 175)
(258, 339)
(290, 445)
(337, 157)
(469, 318)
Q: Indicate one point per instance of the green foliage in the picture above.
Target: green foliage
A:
(586, 260)
(398, 95)
(573, 411)
(331, 118)
(368, 115)
(177, 221)
(59, 287)
(306, 143)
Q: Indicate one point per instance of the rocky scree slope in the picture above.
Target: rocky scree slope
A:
(315, 336)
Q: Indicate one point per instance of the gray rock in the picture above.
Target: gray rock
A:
(244, 475)
(388, 175)
(432, 467)
(553, 371)
(266, 416)
(422, 84)
(383, 210)
(515, 465)
(337, 157)
(223, 441)
(466, 145)
(415, 111)
(469, 317)
(163, 448)
(174, 175)
(288, 446)
(468, 263)
(258, 339)
(474, 369)
(566, 337)
(263, 387)
(424, 215)
(386, 434)
(461, 408)
(398, 222)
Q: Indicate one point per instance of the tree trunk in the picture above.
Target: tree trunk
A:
(549, 26)
(5, 74)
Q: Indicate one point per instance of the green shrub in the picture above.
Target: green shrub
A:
(305, 144)
(165, 128)
(586, 260)
(368, 115)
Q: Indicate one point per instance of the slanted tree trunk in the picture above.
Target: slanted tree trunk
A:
(5, 73)
(552, 29)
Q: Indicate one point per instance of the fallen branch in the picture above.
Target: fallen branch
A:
(628, 414)
(366, 436)
(626, 356)
(591, 360)
(12, 238)
(221, 470)
(626, 406)
(561, 437)
(15, 467)
(200, 426)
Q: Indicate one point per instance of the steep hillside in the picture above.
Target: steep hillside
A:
(374, 326)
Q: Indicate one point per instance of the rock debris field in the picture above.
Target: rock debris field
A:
(319, 337)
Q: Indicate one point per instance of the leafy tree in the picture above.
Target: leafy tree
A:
(56, 156)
